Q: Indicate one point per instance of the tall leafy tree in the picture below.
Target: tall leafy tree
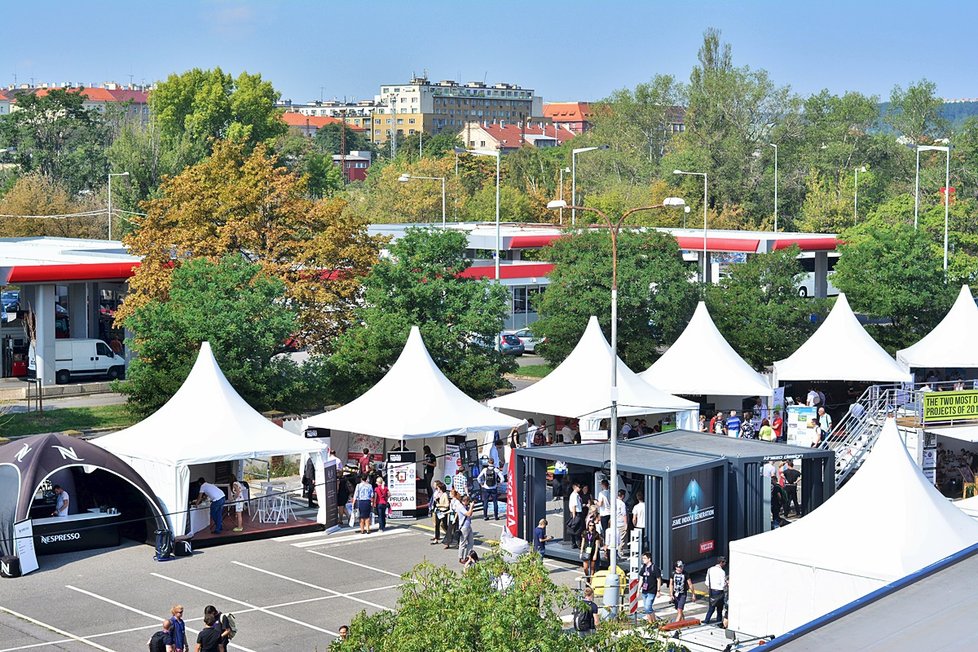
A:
(37, 194)
(328, 139)
(655, 295)
(244, 315)
(55, 135)
(245, 203)
(419, 285)
(915, 112)
(758, 310)
(892, 270)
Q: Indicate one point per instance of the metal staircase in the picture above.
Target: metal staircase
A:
(854, 436)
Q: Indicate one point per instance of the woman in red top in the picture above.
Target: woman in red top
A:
(381, 498)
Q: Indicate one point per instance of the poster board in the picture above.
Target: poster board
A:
(402, 480)
(452, 455)
(800, 432)
(948, 407)
(692, 515)
(24, 536)
(358, 442)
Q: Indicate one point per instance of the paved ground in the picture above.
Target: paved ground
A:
(289, 593)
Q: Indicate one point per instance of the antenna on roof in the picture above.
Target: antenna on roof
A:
(485, 76)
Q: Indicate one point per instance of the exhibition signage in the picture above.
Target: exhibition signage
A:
(693, 515)
(801, 425)
(511, 514)
(402, 482)
(950, 406)
(24, 535)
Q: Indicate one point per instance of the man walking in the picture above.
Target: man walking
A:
(576, 522)
(824, 424)
(651, 580)
(732, 425)
(489, 479)
(680, 587)
(716, 585)
(791, 475)
(604, 506)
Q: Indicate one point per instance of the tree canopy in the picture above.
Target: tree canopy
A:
(419, 285)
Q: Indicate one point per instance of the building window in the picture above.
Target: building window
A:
(411, 121)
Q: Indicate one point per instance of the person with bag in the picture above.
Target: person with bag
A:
(363, 497)
(591, 544)
(452, 531)
(651, 580)
(441, 502)
(680, 588)
(716, 585)
(466, 540)
(489, 480)
(162, 641)
(586, 616)
(382, 503)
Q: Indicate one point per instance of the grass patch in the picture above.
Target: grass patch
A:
(534, 370)
(58, 420)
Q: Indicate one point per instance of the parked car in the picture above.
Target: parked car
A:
(528, 339)
(509, 344)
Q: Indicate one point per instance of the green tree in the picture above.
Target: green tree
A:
(242, 313)
(55, 135)
(916, 112)
(329, 138)
(469, 612)
(892, 270)
(514, 205)
(655, 295)
(419, 285)
(758, 310)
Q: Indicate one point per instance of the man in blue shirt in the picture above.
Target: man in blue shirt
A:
(540, 537)
(733, 424)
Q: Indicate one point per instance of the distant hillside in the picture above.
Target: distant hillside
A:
(954, 112)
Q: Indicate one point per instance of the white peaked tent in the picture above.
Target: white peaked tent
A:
(680, 370)
(952, 343)
(205, 421)
(968, 506)
(885, 523)
(413, 400)
(840, 349)
(581, 387)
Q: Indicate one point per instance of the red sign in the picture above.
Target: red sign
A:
(511, 514)
(706, 546)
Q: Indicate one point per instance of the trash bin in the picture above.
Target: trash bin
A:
(10, 566)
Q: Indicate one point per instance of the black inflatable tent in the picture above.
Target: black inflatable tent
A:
(25, 464)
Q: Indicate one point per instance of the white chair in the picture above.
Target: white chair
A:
(264, 505)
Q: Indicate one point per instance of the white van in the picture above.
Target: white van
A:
(81, 358)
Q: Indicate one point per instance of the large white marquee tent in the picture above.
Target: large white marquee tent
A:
(840, 349)
(206, 421)
(413, 400)
(580, 387)
(952, 343)
(885, 523)
(701, 347)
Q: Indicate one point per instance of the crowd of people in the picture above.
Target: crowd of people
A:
(214, 636)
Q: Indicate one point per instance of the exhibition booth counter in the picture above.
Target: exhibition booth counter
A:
(89, 530)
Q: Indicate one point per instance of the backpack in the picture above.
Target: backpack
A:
(583, 618)
(538, 438)
(231, 625)
(164, 545)
(156, 643)
(491, 477)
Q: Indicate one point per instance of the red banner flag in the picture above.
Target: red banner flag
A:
(511, 513)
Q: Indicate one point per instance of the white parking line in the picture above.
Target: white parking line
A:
(158, 619)
(247, 604)
(337, 594)
(57, 630)
(353, 563)
(356, 538)
(68, 640)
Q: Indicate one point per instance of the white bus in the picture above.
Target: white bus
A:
(806, 283)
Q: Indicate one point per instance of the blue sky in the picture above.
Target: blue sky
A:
(564, 50)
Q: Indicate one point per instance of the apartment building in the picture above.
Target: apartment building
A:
(575, 116)
(356, 114)
(134, 99)
(509, 137)
(5, 99)
(423, 106)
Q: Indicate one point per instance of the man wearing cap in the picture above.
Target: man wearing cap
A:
(489, 480)
(680, 587)
(716, 584)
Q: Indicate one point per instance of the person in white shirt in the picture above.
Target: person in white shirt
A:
(769, 470)
(217, 498)
(716, 584)
(604, 505)
(813, 398)
(576, 521)
(61, 506)
(621, 521)
(566, 434)
(531, 432)
(240, 496)
(638, 512)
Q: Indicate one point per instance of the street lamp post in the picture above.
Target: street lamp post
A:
(947, 189)
(562, 170)
(574, 153)
(113, 174)
(404, 178)
(855, 194)
(498, 154)
(700, 174)
(611, 587)
(775, 186)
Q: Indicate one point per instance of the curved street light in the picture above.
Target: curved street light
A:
(404, 178)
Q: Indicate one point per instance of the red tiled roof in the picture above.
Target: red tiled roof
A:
(5, 96)
(567, 111)
(126, 95)
(299, 120)
(90, 94)
(513, 134)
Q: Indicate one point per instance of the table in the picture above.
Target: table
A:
(86, 531)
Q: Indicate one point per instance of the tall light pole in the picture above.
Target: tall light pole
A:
(855, 194)
(113, 174)
(562, 170)
(611, 586)
(574, 153)
(700, 174)
(404, 178)
(947, 189)
(498, 154)
(775, 186)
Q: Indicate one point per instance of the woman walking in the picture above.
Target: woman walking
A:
(382, 503)
(363, 495)
(591, 544)
(441, 502)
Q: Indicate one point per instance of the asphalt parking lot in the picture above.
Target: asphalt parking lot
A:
(290, 593)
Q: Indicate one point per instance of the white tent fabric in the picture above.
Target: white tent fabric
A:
(580, 387)
(885, 523)
(701, 347)
(952, 343)
(840, 349)
(414, 400)
(205, 421)
(969, 506)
